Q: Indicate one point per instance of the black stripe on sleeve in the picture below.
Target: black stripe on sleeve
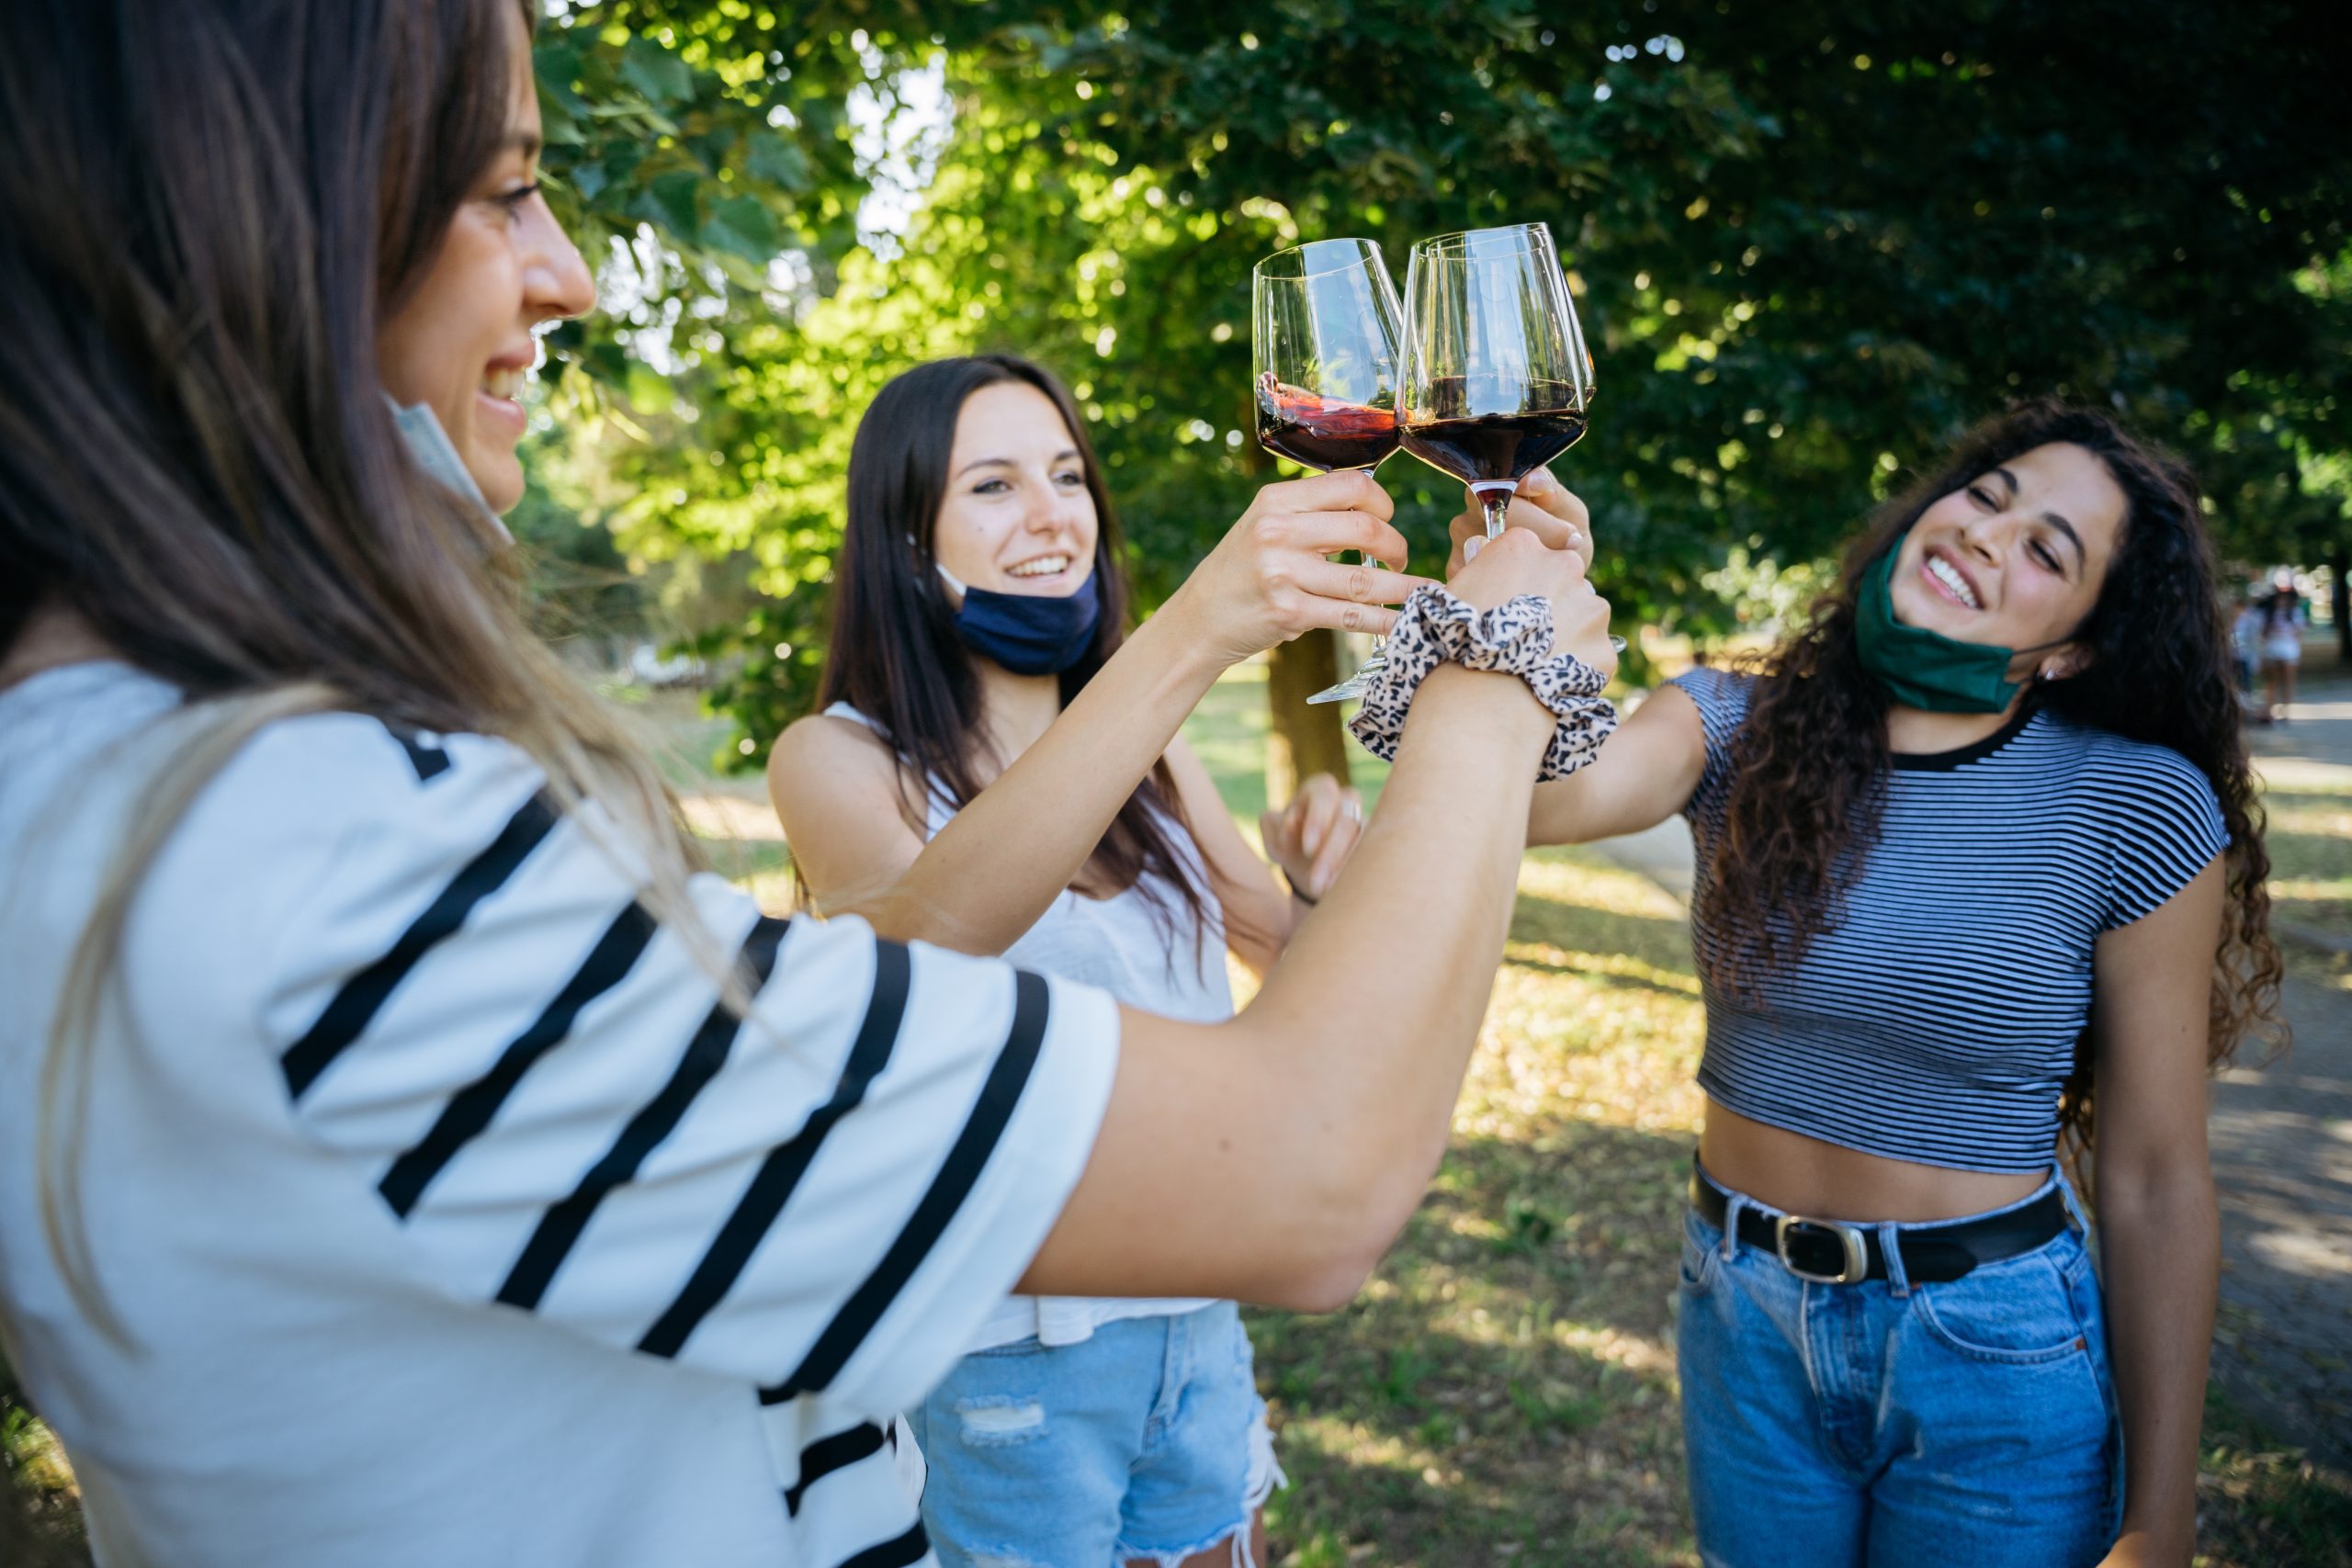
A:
(365, 993)
(471, 1107)
(826, 1455)
(1006, 1080)
(907, 1548)
(560, 1228)
(429, 760)
(732, 1251)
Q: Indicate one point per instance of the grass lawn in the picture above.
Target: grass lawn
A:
(1503, 1392)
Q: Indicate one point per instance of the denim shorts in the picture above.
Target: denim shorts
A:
(1970, 1424)
(1145, 1440)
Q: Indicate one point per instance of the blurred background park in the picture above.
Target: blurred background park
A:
(1809, 243)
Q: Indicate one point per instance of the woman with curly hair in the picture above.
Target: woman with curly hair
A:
(1977, 855)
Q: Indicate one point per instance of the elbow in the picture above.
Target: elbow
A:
(1322, 1284)
(1329, 1290)
(1326, 1261)
(2164, 1192)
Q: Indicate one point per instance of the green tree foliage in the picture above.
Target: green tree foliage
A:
(1811, 241)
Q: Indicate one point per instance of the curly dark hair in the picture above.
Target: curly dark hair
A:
(1811, 759)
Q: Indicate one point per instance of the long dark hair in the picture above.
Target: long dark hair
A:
(1811, 759)
(894, 654)
(208, 209)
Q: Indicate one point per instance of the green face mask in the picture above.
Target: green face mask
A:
(1921, 669)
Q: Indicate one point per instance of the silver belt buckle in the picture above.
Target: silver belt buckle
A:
(1857, 1257)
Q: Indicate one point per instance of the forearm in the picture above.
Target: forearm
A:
(1645, 775)
(999, 865)
(1561, 812)
(1258, 927)
(1371, 1015)
(2160, 1252)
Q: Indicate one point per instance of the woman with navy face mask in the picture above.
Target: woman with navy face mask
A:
(1977, 855)
(997, 769)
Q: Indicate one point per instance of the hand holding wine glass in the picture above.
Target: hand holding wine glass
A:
(1542, 505)
(1325, 329)
(1270, 578)
(1516, 562)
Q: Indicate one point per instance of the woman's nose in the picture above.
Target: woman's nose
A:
(1990, 538)
(1054, 511)
(556, 280)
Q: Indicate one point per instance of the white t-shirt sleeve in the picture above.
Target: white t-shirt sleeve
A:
(472, 1008)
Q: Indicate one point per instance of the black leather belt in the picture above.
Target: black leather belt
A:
(1836, 1252)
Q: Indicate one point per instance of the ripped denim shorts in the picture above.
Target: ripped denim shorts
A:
(1145, 1440)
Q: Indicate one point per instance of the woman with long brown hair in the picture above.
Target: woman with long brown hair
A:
(404, 1156)
(1978, 855)
(999, 757)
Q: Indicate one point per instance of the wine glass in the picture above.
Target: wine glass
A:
(1497, 378)
(1324, 329)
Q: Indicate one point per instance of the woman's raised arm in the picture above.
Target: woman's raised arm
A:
(1301, 1133)
(1008, 855)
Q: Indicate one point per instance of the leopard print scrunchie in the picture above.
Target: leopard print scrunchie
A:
(1515, 637)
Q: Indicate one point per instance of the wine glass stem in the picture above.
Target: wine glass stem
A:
(1379, 654)
(1497, 503)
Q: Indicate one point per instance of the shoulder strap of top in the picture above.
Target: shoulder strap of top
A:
(940, 808)
(842, 710)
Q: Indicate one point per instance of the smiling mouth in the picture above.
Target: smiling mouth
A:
(1039, 566)
(1952, 583)
(506, 382)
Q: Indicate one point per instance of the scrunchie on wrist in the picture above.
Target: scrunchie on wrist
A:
(1515, 637)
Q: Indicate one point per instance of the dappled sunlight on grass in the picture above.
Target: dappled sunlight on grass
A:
(1577, 879)
(1504, 1387)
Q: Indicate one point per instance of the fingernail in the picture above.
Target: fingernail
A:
(1470, 548)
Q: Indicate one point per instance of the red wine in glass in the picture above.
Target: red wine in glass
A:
(1495, 451)
(1324, 343)
(1325, 434)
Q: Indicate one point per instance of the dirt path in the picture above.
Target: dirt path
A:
(2282, 1158)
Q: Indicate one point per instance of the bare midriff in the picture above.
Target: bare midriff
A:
(1798, 1175)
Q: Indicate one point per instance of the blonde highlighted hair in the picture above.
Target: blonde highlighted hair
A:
(206, 210)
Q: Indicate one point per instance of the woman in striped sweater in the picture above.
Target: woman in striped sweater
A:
(1979, 836)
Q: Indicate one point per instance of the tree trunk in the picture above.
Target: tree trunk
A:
(1303, 738)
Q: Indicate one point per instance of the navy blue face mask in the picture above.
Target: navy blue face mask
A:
(1029, 634)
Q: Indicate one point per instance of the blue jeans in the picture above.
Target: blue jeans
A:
(1970, 1424)
(1147, 1439)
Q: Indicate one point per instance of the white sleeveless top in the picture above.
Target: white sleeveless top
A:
(1124, 945)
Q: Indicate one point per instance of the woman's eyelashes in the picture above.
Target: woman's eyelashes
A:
(515, 200)
(1072, 481)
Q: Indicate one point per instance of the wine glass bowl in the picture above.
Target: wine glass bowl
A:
(1325, 336)
(1497, 379)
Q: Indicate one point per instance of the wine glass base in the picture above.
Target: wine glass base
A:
(1357, 684)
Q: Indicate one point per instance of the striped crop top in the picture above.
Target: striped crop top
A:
(1938, 1021)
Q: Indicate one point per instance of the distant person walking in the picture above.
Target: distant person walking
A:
(2245, 645)
(2283, 616)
